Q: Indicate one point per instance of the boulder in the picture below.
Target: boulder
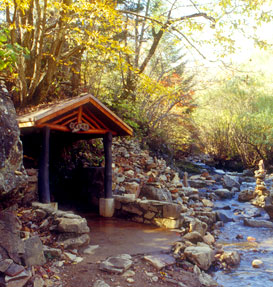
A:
(11, 246)
(72, 225)
(224, 193)
(230, 181)
(72, 241)
(193, 237)
(34, 254)
(199, 226)
(153, 192)
(202, 256)
(13, 177)
(245, 195)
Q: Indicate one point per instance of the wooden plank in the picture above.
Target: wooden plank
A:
(96, 119)
(69, 121)
(91, 121)
(55, 127)
(64, 118)
(97, 131)
(80, 114)
(87, 122)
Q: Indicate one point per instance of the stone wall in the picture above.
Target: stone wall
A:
(154, 212)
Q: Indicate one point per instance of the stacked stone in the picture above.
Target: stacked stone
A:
(261, 192)
(143, 184)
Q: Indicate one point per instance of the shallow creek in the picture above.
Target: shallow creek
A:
(262, 248)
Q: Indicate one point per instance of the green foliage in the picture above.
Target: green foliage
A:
(235, 120)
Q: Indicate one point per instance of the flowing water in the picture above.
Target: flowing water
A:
(262, 249)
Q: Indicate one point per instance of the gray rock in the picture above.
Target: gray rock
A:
(155, 193)
(193, 237)
(100, 283)
(90, 249)
(73, 241)
(202, 256)
(171, 211)
(72, 225)
(5, 264)
(50, 208)
(230, 181)
(38, 282)
(258, 223)
(117, 264)
(13, 177)
(160, 261)
(269, 205)
(34, 254)
(199, 226)
(19, 280)
(223, 216)
(245, 195)
(11, 245)
(51, 253)
(224, 193)
(204, 278)
(231, 258)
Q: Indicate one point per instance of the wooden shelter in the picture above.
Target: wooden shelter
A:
(85, 116)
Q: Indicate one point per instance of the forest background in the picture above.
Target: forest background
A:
(137, 57)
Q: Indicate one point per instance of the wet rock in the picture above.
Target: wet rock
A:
(202, 256)
(11, 246)
(268, 207)
(171, 211)
(34, 254)
(209, 239)
(160, 261)
(193, 237)
(223, 216)
(71, 225)
(13, 178)
(100, 283)
(224, 193)
(245, 195)
(231, 258)
(198, 225)
(117, 264)
(258, 223)
(230, 181)
(257, 263)
(168, 223)
(204, 278)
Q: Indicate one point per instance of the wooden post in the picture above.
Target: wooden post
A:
(107, 143)
(43, 177)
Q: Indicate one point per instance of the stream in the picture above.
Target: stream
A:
(261, 248)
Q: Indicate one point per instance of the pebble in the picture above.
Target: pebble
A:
(130, 280)
(257, 263)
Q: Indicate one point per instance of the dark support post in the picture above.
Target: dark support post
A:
(44, 191)
(107, 142)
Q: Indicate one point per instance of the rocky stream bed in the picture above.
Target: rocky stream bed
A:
(222, 220)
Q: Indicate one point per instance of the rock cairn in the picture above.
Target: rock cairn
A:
(261, 191)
